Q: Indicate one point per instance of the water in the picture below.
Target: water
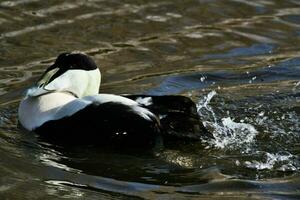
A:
(238, 60)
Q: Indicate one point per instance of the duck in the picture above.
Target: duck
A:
(64, 106)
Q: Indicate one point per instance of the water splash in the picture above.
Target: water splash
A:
(228, 134)
(281, 161)
(235, 126)
(234, 135)
(204, 104)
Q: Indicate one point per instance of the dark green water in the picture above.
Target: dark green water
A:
(238, 60)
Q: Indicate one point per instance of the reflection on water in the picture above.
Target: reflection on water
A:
(238, 60)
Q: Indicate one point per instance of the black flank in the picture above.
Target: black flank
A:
(109, 124)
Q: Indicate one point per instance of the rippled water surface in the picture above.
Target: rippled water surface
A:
(238, 60)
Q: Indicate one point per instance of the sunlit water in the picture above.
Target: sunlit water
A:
(238, 60)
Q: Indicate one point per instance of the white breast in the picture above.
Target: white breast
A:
(34, 111)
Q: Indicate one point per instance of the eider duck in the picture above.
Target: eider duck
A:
(64, 106)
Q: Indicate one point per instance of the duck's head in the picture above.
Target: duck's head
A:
(73, 73)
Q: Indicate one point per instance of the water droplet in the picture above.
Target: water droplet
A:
(202, 78)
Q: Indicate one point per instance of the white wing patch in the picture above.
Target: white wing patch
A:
(146, 101)
(71, 108)
(105, 98)
(143, 112)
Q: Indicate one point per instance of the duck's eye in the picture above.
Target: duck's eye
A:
(41, 85)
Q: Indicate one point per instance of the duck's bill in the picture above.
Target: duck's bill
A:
(40, 87)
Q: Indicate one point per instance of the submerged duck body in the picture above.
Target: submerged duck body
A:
(64, 106)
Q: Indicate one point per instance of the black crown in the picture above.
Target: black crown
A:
(75, 61)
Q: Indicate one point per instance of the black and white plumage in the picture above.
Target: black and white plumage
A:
(64, 106)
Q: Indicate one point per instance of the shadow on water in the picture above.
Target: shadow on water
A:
(241, 67)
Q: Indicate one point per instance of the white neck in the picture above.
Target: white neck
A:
(78, 82)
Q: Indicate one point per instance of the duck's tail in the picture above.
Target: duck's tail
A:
(178, 117)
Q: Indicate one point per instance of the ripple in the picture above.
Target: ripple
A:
(16, 3)
(157, 18)
(120, 11)
(54, 9)
(35, 28)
